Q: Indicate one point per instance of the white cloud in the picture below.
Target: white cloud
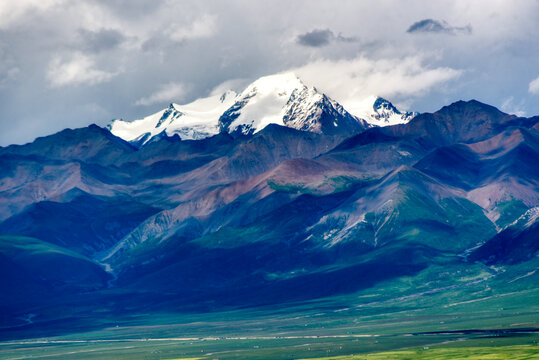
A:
(77, 69)
(509, 106)
(236, 85)
(8, 72)
(351, 81)
(9, 75)
(12, 11)
(534, 86)
(166, 93)
(204, 26)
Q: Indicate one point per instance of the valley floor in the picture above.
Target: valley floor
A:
(435, 347)
(481, 312)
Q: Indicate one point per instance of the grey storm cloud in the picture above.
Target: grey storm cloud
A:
(97, 41)
(321, 37)
(436, 26)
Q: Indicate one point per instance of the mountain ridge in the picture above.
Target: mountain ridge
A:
(281, 214)
(281, 99)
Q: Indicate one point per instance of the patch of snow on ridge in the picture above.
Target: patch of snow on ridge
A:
(529, 217)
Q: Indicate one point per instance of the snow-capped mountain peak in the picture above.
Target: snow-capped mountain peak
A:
(261, 103)
(285, 100)
(378, 111)
(196, 120)
(281, 99)
(280, 85)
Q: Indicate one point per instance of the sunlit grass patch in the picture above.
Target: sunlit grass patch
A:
(517, 352)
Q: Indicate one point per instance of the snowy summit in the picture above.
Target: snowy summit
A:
(281, 99)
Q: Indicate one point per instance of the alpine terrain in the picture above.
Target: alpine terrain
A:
(280, 209)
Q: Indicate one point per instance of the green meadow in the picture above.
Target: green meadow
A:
(478, 312)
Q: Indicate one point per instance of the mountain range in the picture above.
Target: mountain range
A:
(271, 196)
(281, 99)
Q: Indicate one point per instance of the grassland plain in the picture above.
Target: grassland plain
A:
(476, 312)
(440, 346)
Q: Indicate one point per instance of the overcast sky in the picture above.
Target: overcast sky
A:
(69, 63)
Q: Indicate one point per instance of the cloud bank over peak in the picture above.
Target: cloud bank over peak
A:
(166, 93)
(400, 79)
